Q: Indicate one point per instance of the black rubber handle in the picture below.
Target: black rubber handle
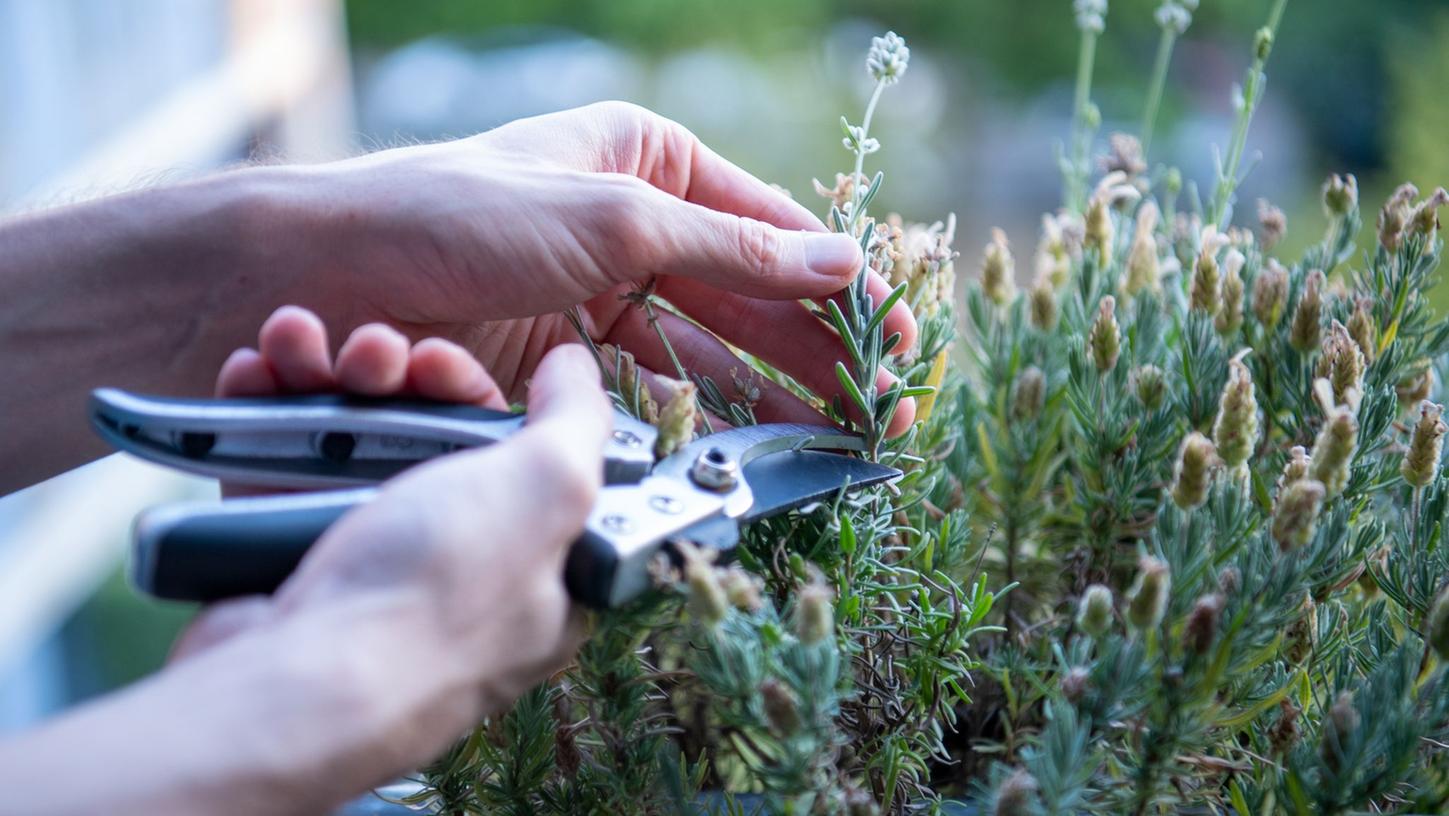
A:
(208, 553)
(242, 547)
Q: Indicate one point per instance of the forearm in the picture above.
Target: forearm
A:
(147, 290)
(291, 718)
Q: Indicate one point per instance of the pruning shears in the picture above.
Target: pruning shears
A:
(341, 447)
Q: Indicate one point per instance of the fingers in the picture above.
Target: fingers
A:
(444, 371)
(246, 374)
(619, 137)
(786, 335)
(702, 354)
(294, 343)
(666, 236)
(373, 360)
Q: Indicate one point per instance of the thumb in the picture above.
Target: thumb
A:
(739, 254)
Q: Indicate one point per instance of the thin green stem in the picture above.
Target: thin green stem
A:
(1252, 94)
(857, 177)
(1081, 128)
(1154, 88)
(652, 316)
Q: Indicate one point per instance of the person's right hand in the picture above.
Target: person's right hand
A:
(488, 240)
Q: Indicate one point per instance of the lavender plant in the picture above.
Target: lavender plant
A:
(1170, 536)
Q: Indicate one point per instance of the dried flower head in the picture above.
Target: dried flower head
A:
(707, 601)
(1202, 623)
(1333, 448)
(1091, 15)
(1270, 294)
(1094, 610)
(1230, 580)
(1104, 339)
(1147, 600)
(1075, 683)
(1342, 365)
(814, 613)
(1272, 223)
(1295, 468)
(1235, 432)
(1205, 290)
(742, 589)
(1395, 215)
(676, 418)
(860, 802)
(1028, 393)
(782, 707)
(1125, 155)
(841, 194)
(1099, 231)
(998, 270)
(1436, 625)
(1339, 728)
(1144, 271)
(1054, 250)
(1193, 473)
(1284, 734)
(1018, 793)
(1416, 387)
(1301, 635)
(888, 58)
(1306, 333)
(1042, 305)
(1362, 329)
(1295, 516)
(1230, 316)
(1149, 384)
(1340, 195)
(1426, 446)
(1425, 219)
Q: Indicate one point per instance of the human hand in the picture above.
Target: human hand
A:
(488, 240)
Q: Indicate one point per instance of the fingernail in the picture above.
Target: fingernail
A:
(832, 254)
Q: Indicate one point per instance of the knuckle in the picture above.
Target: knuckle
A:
(759, 245)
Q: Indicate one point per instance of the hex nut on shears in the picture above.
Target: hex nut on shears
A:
(715, 470)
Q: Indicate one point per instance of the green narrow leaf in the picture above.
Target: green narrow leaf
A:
(851, 389)
(847, 535)
(885, 307)
(919, 391)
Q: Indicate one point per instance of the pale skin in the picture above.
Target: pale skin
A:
(451, 266)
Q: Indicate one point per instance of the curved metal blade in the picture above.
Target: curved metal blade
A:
(786, 460)
(785, 481)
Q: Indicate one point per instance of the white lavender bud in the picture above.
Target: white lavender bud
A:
(888, 58)
(676, 418)
(1172, 17)
(1091, 15)
(1017, 795)
(814, 614)
(1028, 393)
(1143, 267)
(1042, 305)
(1270, 294)
(1395, 215)
(1272, 223)
(1342, 365)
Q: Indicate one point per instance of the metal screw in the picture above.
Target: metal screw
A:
(628, 439)
(667, 505)
(715, 470)
(616, 523)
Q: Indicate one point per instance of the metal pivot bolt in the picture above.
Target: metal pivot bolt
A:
(628, 439)
(715, 470)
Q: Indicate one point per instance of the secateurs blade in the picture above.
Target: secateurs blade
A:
(207, 551)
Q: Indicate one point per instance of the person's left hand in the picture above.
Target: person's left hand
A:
(293, 356)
